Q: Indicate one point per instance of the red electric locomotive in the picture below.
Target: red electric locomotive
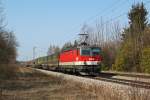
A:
(81, 59)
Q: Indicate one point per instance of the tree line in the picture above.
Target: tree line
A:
(134, 53)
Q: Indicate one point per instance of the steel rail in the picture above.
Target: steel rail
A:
(138, 75)
(133, 83)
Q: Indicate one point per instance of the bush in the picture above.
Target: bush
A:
(122, 62)
(8, 46)
(145, 60)
(7, 71)
(109, 52)
(7, 54)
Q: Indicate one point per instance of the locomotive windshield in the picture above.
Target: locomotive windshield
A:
(90, 51)
(85, 51)
(95, 51)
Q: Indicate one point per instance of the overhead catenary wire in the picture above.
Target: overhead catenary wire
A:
(124, 13)
(102, 12)
(111, 19)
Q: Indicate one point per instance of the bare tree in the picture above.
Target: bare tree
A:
(8, 50)
(53, 49)
(107, 36)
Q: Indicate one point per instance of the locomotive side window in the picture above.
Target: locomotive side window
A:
(85, 51)
(95, 51)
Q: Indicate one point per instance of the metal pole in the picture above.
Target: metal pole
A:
(47, 59)
(34, 55)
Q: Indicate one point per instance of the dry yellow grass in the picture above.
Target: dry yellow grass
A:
(32, 85)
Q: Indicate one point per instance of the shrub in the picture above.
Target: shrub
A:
(122, 62)
(145, 60)
(7, 71)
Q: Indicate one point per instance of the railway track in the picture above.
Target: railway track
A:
(139, 75)
(107, 77)
(133, 83)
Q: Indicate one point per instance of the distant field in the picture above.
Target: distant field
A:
(31, 85)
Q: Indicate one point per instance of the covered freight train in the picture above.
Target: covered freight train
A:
(78, 59)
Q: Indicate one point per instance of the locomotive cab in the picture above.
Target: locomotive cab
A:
(90, 59)
(90, 55)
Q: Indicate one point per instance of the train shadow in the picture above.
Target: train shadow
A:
(101, 74)
(106, 75)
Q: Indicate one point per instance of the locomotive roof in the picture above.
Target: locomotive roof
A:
(69, 48)
(73, 48)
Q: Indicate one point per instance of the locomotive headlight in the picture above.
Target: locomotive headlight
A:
(77, 58)
(91, 59)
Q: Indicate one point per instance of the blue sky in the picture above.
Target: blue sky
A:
(43, 22)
